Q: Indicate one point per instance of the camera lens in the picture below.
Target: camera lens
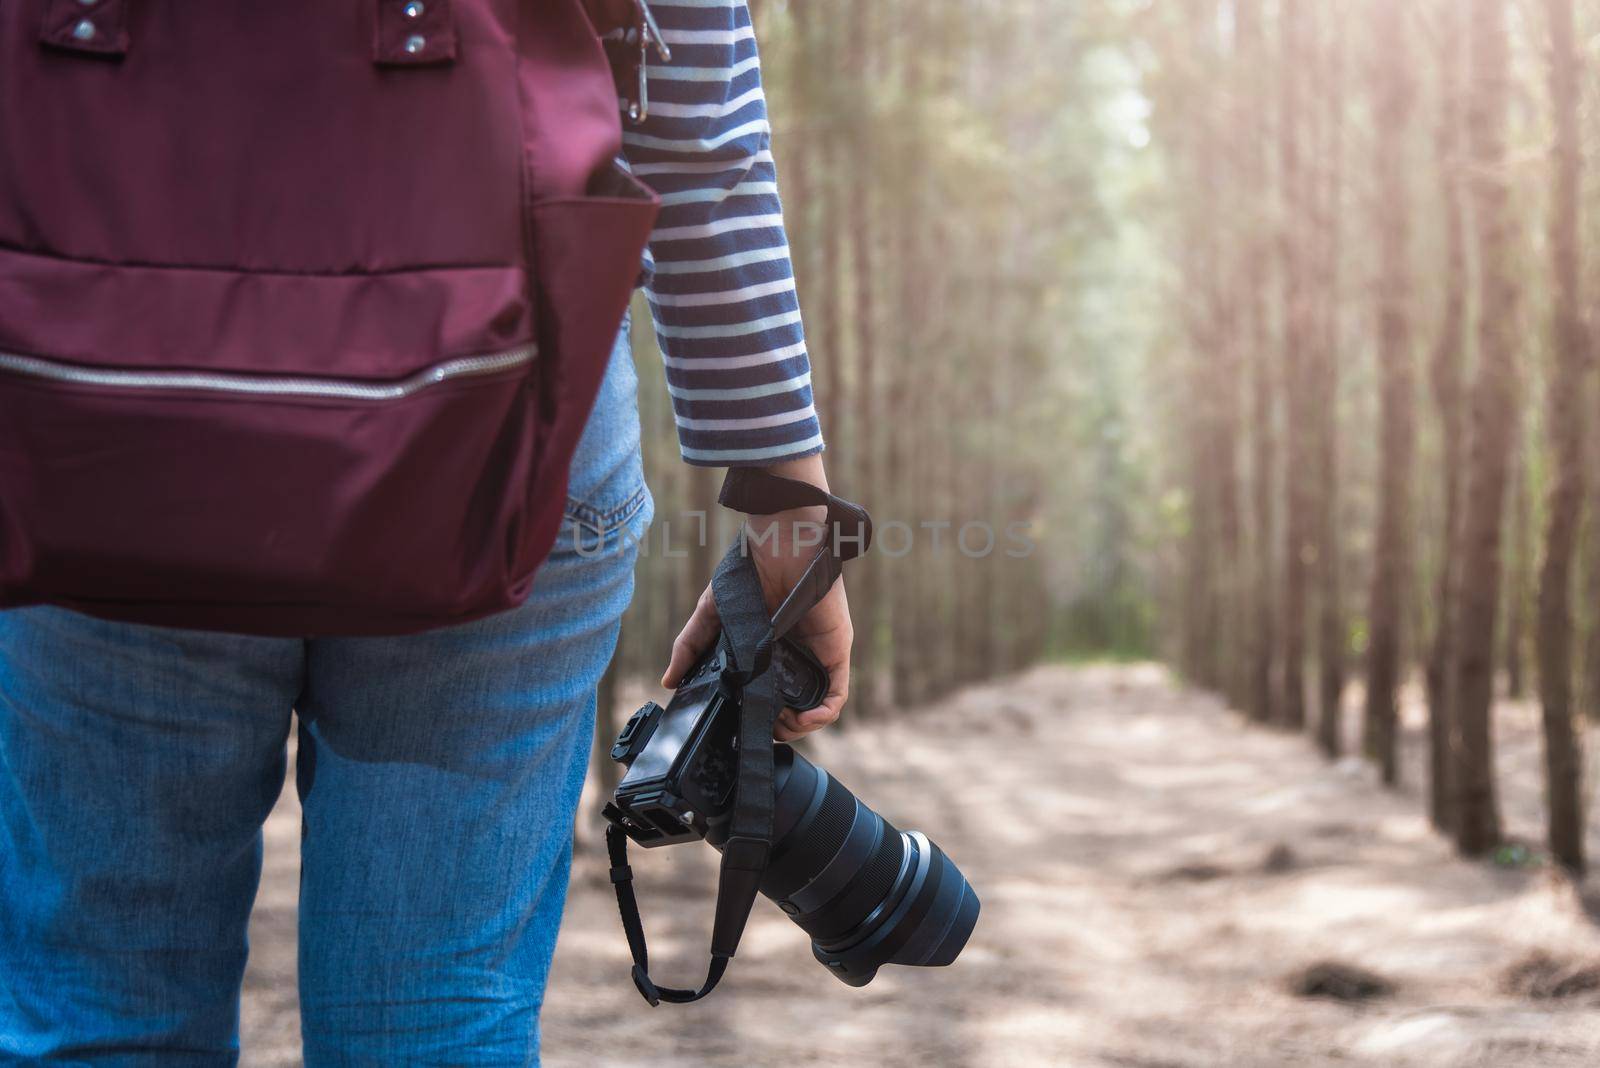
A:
(867, 893)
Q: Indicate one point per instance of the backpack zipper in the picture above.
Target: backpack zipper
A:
(267, 385)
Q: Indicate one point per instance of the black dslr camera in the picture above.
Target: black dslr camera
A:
(680, 759)
(866, 892)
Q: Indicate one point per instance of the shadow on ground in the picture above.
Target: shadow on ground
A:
(1157, 881)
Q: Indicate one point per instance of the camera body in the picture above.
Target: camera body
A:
(866, 892)
(682, 761)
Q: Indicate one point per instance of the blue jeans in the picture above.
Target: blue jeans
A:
(438, 774)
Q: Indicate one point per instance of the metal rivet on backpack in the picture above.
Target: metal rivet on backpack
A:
(84, 30)
(415, 43)
(412, 10)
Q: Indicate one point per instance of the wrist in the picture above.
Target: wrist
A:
(794, 531)
(808, 469)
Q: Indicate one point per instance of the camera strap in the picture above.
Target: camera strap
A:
(750, 634)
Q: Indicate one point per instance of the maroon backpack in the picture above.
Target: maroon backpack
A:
(303, 304)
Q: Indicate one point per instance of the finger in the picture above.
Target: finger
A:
(815, 719)
(691, 643)
(796, 724)
(832, 706)
(787, 728)
(807, 722)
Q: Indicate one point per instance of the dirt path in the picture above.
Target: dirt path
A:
(1151, 873)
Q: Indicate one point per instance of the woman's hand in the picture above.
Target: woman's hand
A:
(781, 557)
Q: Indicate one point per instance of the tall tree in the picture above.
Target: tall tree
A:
(1519, 561)
(913, 269)
(1590, 693)
(864, 590)
(1565, 426)
(1393, 92)
(830, 222)
(1493, 406)
(1252, 60)
(1446, 377)
(1330, 583)
(1231, 373)
(1299, 544)
(1207, 368)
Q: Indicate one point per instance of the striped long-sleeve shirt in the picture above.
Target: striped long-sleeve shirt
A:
(721, 286)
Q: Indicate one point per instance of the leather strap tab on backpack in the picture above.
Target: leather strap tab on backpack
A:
(609, 15)
(406, 33)
(99, 28)
(413, 33)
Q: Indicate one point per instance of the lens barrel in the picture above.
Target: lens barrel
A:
(867, 893)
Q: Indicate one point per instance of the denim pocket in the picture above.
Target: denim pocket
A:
(598, 522)
(606, 490)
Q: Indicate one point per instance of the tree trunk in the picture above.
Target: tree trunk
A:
(1230, 370)
(1330, 598)
(607, 723)
(699, 537)
(1253, 57)
(1391, 572)
(911, 256)
(827, 347)
(1590, 701)
(1446, 375)
(799, 157)
(864, 583)
(1206, 558)
(1565, 426)
(1493, 403)
(1519, 564)
(1299, 545)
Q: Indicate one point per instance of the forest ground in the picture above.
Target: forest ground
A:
(1156, 878)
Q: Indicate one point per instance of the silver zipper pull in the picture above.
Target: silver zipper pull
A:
(639, 109)
(649, 34)
(650, 31)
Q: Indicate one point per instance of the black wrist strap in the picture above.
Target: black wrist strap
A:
(846, 534)
(749, 634)
(633, 927)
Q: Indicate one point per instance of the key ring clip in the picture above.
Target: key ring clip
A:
(649, 36)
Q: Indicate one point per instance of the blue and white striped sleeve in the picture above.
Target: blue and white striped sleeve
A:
(722, 289)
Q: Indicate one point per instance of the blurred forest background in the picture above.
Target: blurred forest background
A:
(1265, 323)
(1267, 320)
